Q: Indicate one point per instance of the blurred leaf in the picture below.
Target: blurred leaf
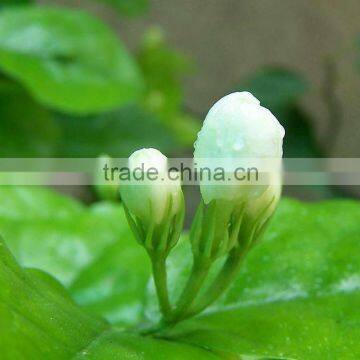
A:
(14, 2)
(185, 127)
(26, 128)
(83, 248)
(299, 141)
(116, 133)
(276, 87)
(164, 69)
(297, 295)
(39, 321)
(67, 59)
(128, 7)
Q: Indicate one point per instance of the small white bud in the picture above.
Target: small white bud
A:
(149, 200)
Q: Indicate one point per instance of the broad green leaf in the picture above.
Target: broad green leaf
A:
(83, 248)
(116, 133)
(26, 128)
(128, 7)
(298, 293)
(67, 59)
(319, 328)
(37, 320)
(296, 297)
(40, 321)
(116, 345)
(36, 203)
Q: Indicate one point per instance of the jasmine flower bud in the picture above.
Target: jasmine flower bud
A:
(147, 199)
(154, 205)
(236, 127)
(260, 210)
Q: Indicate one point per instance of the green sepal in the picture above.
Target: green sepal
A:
(149, 238)
(208, 231)
(163, 231)
(158, 238)
(196, 228)
(251, 230)
(178, 224)
(133, 226)
(237, 220)
(211, 233)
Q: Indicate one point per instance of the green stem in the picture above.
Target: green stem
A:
(156, 329)
(191, 289)
(220, 284)
(160, 279)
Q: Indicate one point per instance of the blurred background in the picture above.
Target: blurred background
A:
(146, 72)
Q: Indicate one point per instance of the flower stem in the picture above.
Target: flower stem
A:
(158, 263)
(153, 330)
(220, 284)
(197, 277)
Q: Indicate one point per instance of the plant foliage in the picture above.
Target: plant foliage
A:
(297, 295)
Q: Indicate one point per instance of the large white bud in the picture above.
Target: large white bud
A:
(237, 127)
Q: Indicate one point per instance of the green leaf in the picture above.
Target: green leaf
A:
(275, 86)
(164, 69)
(298, 293)
(26, 128)
(67, 59)
(40, 321)
(301, 142)
(318, 328)
(128, 7)
(116, 133)
(81, 247)
(118, 345)
(37, 320)
(14, 2)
